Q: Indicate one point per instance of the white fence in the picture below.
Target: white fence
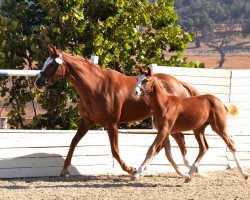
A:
(42, 153)
(29, 153)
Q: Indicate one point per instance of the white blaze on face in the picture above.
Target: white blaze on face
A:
(47, 62)
(137, 89)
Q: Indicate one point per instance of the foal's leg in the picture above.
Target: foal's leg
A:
(82, 130)
(167, 146)
(230, 143)
(152, 151)
(168, 153)
(113, 138)
(203, 147)
(180, 140)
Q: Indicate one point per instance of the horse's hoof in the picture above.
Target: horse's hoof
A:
(188, 178)
(132, 170)
(196, 170)
(64, 173)
(135, 177)
(246, 177)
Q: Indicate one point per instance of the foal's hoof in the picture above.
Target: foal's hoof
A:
(64, 173)
(188, 178)
(135, 177)
(196, 170)
(132, 170)
(246, 176)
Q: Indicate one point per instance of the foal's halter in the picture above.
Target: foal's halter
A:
(144, 91)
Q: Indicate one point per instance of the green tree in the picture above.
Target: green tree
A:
(121, 32)
(214, 22)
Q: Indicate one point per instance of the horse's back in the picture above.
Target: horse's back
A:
(175, 87)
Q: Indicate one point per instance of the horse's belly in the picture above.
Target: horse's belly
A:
(134, 111)
(133, 115)
(186, 126)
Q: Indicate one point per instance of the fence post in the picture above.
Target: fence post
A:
(152, 67)
(4, 122)
(94, 59)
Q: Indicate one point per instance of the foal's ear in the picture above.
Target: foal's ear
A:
(149, 71)
(142, 70)
(52, 50)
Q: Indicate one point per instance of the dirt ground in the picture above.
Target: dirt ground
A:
(226, 184)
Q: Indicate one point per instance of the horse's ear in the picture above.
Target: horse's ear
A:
(149, 71)
(52, 50)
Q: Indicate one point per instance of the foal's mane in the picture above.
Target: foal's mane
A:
(162, 87)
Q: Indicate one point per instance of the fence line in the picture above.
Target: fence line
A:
(41, 153)
(214, 52)
(29, 153)
(16, 72)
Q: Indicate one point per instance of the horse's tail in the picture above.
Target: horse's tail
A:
(191, 90)
(232, 110)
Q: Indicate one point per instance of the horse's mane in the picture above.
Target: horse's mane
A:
(82, 59)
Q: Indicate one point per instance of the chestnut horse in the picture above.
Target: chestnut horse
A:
(173, 114)
(106, 98)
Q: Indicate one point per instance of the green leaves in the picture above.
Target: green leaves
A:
(123, 33)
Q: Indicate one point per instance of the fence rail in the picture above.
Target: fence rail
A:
(15, 72)
(30, 153)
(214, 52)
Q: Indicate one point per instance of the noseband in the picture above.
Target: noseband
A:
(48, 77)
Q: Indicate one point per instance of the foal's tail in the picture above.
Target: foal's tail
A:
(232, 110)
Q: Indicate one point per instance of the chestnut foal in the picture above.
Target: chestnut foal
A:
(173, 114)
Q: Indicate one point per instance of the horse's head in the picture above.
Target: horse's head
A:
(144, 83)
(52, 70)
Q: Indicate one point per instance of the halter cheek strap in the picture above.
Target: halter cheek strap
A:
(151, 89)
(59, 61)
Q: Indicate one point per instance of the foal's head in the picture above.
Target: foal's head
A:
(52, 69)
(144, 83)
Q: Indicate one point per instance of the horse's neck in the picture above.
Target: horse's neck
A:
(157, 96)
(78, 64)
(82, 73)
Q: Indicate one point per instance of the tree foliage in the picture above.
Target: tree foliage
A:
(123, 33)
(214, 22)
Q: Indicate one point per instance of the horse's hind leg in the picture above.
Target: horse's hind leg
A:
(113, 138)
(231, 145)
(180, 140)
(82, 130)
(203, 147)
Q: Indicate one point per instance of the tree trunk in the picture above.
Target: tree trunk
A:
(197, 42)
(222, 58)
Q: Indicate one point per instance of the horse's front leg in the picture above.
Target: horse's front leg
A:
(152, 151)
(114, 143)
(84, 126)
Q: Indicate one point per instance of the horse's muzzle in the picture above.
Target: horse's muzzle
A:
(40, 83)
